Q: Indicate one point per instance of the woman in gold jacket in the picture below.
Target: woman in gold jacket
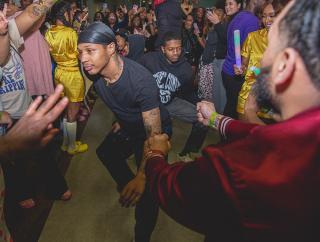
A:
(62, 41)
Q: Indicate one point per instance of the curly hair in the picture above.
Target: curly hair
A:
(301, 29)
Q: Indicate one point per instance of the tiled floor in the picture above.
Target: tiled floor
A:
(93, 214)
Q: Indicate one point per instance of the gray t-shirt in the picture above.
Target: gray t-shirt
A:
(13, 89)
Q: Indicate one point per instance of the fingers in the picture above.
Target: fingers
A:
(34, 106)
(57, 110)
(4, 11)
(128, 197)
(48, 136)
(51, 101)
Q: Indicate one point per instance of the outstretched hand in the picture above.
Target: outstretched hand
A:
(35, 129)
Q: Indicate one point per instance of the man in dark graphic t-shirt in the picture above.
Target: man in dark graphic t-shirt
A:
(129, 90)
(173, 76)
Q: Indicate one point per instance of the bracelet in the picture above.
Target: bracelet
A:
(212, 119)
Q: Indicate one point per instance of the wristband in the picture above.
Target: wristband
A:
(212, 119)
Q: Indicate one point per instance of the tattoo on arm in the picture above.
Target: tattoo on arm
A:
(39, 10)
(152, 122)
(152, 125)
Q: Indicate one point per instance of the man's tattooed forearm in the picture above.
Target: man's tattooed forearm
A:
(152, 122)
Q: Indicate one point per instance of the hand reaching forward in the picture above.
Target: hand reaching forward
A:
(34, 130)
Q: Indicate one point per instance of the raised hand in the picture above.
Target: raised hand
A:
(4, 20)
(213, 17)
(34, 130)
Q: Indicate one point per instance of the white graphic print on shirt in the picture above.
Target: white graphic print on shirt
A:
(168, 85)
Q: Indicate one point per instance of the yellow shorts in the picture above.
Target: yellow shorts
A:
(72, 80)
(243, 94)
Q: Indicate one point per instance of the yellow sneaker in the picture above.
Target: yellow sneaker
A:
(65, 147)
(80, 148)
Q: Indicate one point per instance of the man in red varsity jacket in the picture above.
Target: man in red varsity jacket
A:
(262, 182)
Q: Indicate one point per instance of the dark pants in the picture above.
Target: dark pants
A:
(233, 86)
(113, 153)
(23, 177)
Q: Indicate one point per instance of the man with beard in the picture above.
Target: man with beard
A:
(131, 93)
(262, 183)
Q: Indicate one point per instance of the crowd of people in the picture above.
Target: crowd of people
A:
(173, 60)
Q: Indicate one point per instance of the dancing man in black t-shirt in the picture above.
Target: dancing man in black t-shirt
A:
(130, 91)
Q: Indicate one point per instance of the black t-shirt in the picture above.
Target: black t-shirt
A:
(133, 93)
(136, 46)
(170, 78)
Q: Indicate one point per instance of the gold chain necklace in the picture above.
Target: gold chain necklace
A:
(108, 81)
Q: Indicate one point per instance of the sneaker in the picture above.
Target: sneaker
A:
(184, 157)
(80, 148)
(65, 147)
